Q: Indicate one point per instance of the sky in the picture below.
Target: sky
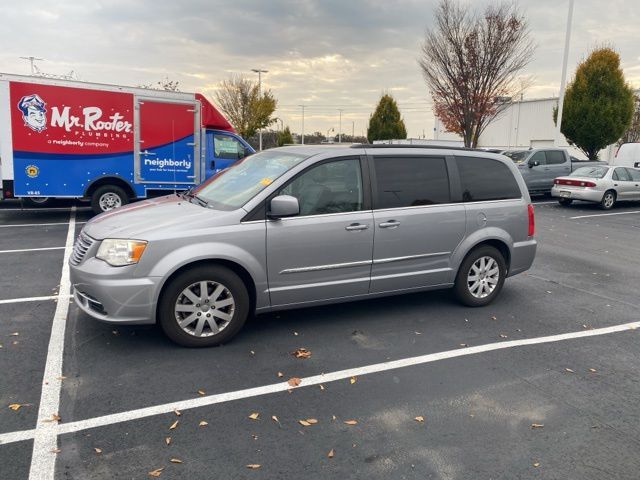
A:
(328, 55)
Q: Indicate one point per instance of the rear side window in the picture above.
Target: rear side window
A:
(554, 157)
(411, 181)
(485, 179)
(621, 174)
(635, 174)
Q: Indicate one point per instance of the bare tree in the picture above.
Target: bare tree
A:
(470, 63)
(166, 85)
(239, 99)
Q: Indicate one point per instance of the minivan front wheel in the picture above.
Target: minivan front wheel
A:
(480, 277)
(204, 307)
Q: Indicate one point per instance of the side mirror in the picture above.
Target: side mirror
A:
(284, 206)
(534, 163)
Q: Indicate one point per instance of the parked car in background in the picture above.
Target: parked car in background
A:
(605, 185)
(540, 166)
(307, 225)
(628, 155)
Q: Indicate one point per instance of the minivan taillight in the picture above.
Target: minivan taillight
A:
(532, 221)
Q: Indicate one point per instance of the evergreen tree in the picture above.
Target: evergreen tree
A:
(598, 104)
(285, 137)
(386, 123)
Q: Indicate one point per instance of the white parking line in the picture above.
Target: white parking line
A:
(45, 436)
(33, 299)
(43, 209)
(604, 214)
(32, 250)
(38, 224)
(104, 420)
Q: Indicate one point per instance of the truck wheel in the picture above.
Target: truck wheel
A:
(107, 198)
(480, 277)
(39, 201)
(608, 200)
(565, 202)
(204, 306)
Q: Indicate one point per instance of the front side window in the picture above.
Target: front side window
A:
(235, 186)
(332, 187)
(555, 157)
(485, 179)
(225, 146)
(538, 157)
(411, 181)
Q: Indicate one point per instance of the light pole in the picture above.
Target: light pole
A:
(259, 72)
(329, 131)
(563, 80)
(31, 62)
(340, 128)
(302, 142)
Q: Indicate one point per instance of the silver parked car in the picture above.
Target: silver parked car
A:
(604, 185)
(307, 225)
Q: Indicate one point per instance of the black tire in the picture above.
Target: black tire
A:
(607, 204)
(38, 201)
(168, 318)
(117, 194)
(565, 202)
(462, 289)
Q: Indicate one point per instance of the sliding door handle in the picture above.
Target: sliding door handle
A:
(356, 227)
(389, 224)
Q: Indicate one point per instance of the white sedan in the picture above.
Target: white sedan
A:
(605, 185)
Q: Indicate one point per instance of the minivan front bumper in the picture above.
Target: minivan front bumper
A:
(106, 294)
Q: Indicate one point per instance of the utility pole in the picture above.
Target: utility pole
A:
(259, 72)
(302, 106)
(31, 60)
(563, 80)
(340, 128)
(353, 130)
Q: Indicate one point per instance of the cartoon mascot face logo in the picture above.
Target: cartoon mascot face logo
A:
(34, 112)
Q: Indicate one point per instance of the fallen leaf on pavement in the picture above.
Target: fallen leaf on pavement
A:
(157, 472)
(15, 406)
(333, 417)
(503, 335)
(351, 422)
(301, 353)
(304, 423)
(167, 440)
(253, 466)
(98, 450)
(352, 380)
(55, 450)
(177, 412)
(202, 423)
(54, 418)
(174, 425)
(419, 418)
(537, 464)
(14, 334)
(321, 387)
(568, 370)
(592, 370)
(537, 425)
(254, 416)
(274, 418)
(418, 333)
(280, 374)
(464, 345)
(330, 454)
(493, 317)
(61, 377)
(201, 392)
(294, 381)
(175, 460)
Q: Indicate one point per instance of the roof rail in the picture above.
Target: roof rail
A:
(397, 145)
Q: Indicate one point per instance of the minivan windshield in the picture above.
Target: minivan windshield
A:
(236, 185)
(517, 156)
(590, 172)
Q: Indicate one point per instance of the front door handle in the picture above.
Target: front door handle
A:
(356, 227)
(389, 224)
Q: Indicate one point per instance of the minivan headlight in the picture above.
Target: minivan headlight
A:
(119, 252)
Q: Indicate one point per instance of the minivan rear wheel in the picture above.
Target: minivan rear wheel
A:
(480, 277)
(204, 306)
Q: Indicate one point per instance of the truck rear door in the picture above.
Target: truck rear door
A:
(166, 141)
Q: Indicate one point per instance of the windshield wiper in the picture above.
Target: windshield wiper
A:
(192, 196)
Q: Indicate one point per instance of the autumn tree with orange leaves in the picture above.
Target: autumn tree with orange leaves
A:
(471, 64)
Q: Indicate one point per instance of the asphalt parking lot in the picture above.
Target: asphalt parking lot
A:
(542, 384)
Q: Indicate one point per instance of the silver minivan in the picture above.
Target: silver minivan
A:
(307, 225)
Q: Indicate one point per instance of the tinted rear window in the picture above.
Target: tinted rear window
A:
(411, 181)
(486, 179)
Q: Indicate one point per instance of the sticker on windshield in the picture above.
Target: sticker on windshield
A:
(266, 181)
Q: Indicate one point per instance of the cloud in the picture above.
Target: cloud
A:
(329, 54)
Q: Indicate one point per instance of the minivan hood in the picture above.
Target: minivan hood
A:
(141, 219)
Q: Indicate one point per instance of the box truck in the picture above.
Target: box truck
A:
(107, 143)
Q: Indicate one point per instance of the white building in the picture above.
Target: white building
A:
(524, 124)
